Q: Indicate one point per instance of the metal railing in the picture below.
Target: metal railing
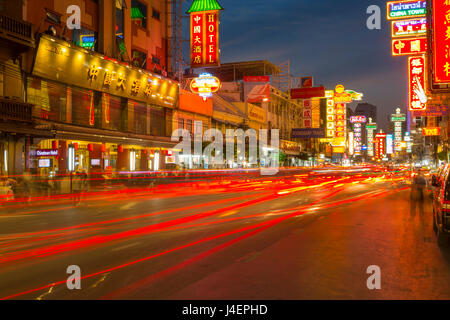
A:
(16, 28)
(14, 110)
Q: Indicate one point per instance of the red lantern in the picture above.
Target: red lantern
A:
(90, 147)
(54, 145)
(103, 147)
(120, 148)
(75, 145)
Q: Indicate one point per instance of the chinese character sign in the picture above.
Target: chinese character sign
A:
(331, 124)
(441, 41)
(407, 47)
(409, 28)
(406, 9)
(307, 113)
(205, 39)
(417, 98)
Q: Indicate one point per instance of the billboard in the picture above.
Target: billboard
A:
(307, 82)
(408, 47)
(389, 144)
(431, 132)
(406, 9)
(257, 89)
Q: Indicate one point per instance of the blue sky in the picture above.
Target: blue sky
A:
(327, 39)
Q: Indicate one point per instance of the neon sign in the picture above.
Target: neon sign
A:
(406, 9)
(205, 85)
(358, 119)
(431, 132)
(205, 33)
(406, 47)
(409, 28)
(417, 98)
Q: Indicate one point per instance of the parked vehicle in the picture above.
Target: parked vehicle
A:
(441, 205)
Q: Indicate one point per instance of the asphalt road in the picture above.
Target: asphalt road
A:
(299, 235)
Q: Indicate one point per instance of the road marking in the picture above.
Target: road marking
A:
(46, 293)
(128, 206)
(229, 213)
(101, 280)
(126, 246)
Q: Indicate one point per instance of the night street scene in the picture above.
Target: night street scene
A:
(224, 150)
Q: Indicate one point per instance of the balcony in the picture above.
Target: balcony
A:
(15, 110)
(16, 31)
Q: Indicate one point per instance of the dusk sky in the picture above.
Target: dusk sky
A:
(327, 39)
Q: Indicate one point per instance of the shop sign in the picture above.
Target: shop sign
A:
(47, 152)
(205, 85)
(431, 132)
(60, 61)
(305, 133)
(308, 93)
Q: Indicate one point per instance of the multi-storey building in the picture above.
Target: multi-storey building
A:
(101, 89)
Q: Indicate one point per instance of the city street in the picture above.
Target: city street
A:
(302, 234)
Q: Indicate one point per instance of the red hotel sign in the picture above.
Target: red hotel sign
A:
(416, 83)
(205, 39)
(308, 93)
(406, 47)
(441, 41)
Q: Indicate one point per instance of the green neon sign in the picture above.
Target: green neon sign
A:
(204, 5)
(406, 9)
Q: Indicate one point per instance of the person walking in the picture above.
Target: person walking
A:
(418, 186)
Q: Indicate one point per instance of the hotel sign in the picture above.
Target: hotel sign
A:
(60, 61)
(406, 9)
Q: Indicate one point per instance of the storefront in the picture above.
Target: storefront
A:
(115, 117)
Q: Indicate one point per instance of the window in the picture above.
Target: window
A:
(140, 117)
(49, 98)
(158, 121)
(156, 14)
(155, 60)
(180, 123)
(83, 112)
(189, 126)
(139, 59)
(139, 13)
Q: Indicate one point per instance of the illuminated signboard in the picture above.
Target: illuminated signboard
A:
(431, 132)
(205, 85)
(381, 145)
(397, 119)
(409, 28)
(389, 144)
(351, 144)
(406, 9)
(57, 60)
(417, 98)
(441, 41)
(370, 127)
(87, 41)
(358, 119)
(357, 137)
(307, 113)
(339, 150)
(47, 152)
(340, 99)
(407, 47)
(205, 33)
(331, 124)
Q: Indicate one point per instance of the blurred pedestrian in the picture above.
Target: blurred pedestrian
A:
(418, 186)
(79, 184)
